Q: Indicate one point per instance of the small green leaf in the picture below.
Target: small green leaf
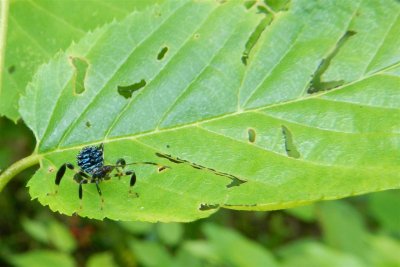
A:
(151, 254)
(343, 228)
(383, 206)
(304, 213)
(315, 254)
(35, 229)
(101, 259)
(41, 258)
(236, 250)
(170, 233)
(51, 232)
(199, 100)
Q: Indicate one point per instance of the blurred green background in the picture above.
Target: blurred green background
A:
(358, 231)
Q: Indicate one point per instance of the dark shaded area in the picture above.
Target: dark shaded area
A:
(81, 66)
(204, 207)
(278, 5)
(168, 157)
(316, 85)
(249, 4)
(251, 135)
(11, 69)
(162, 53)
(127, 91)
(290, 147)
(235, 181)
(88, 124)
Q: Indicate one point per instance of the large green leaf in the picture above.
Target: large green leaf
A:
(249, 111)
(37, 29)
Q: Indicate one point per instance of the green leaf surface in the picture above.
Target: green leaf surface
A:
(168, 85)
(37, 29)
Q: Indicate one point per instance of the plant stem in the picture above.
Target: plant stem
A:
(4, 4)
(16, 168)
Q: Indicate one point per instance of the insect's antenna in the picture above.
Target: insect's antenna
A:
(142, 163)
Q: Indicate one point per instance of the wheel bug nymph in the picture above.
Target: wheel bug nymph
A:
(92, 170)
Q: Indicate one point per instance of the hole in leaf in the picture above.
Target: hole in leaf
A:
(170, 158)
(11, 69)
(204, 207)
(316, 85)
(252, 135)
(290, 147)
(127, 91)
(88, 124)
(162, 53)
(254, 37)
(162, 168)
(81, 67)
(235, 182)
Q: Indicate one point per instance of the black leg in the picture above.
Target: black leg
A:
(79, 176)
(120, 163)
(132, 182)
(80, 192)
(60, 175)
(84, 181)
(133, 177)
(99, 191)
(61, 172)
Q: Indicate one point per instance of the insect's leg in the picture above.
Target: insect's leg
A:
(121, 163)
(79, 176)
(132, 182)
(83, 181)
(100, 194)
(60, 175)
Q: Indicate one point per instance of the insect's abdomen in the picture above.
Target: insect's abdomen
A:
(90, 159)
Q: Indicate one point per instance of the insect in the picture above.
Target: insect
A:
(92, 170)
